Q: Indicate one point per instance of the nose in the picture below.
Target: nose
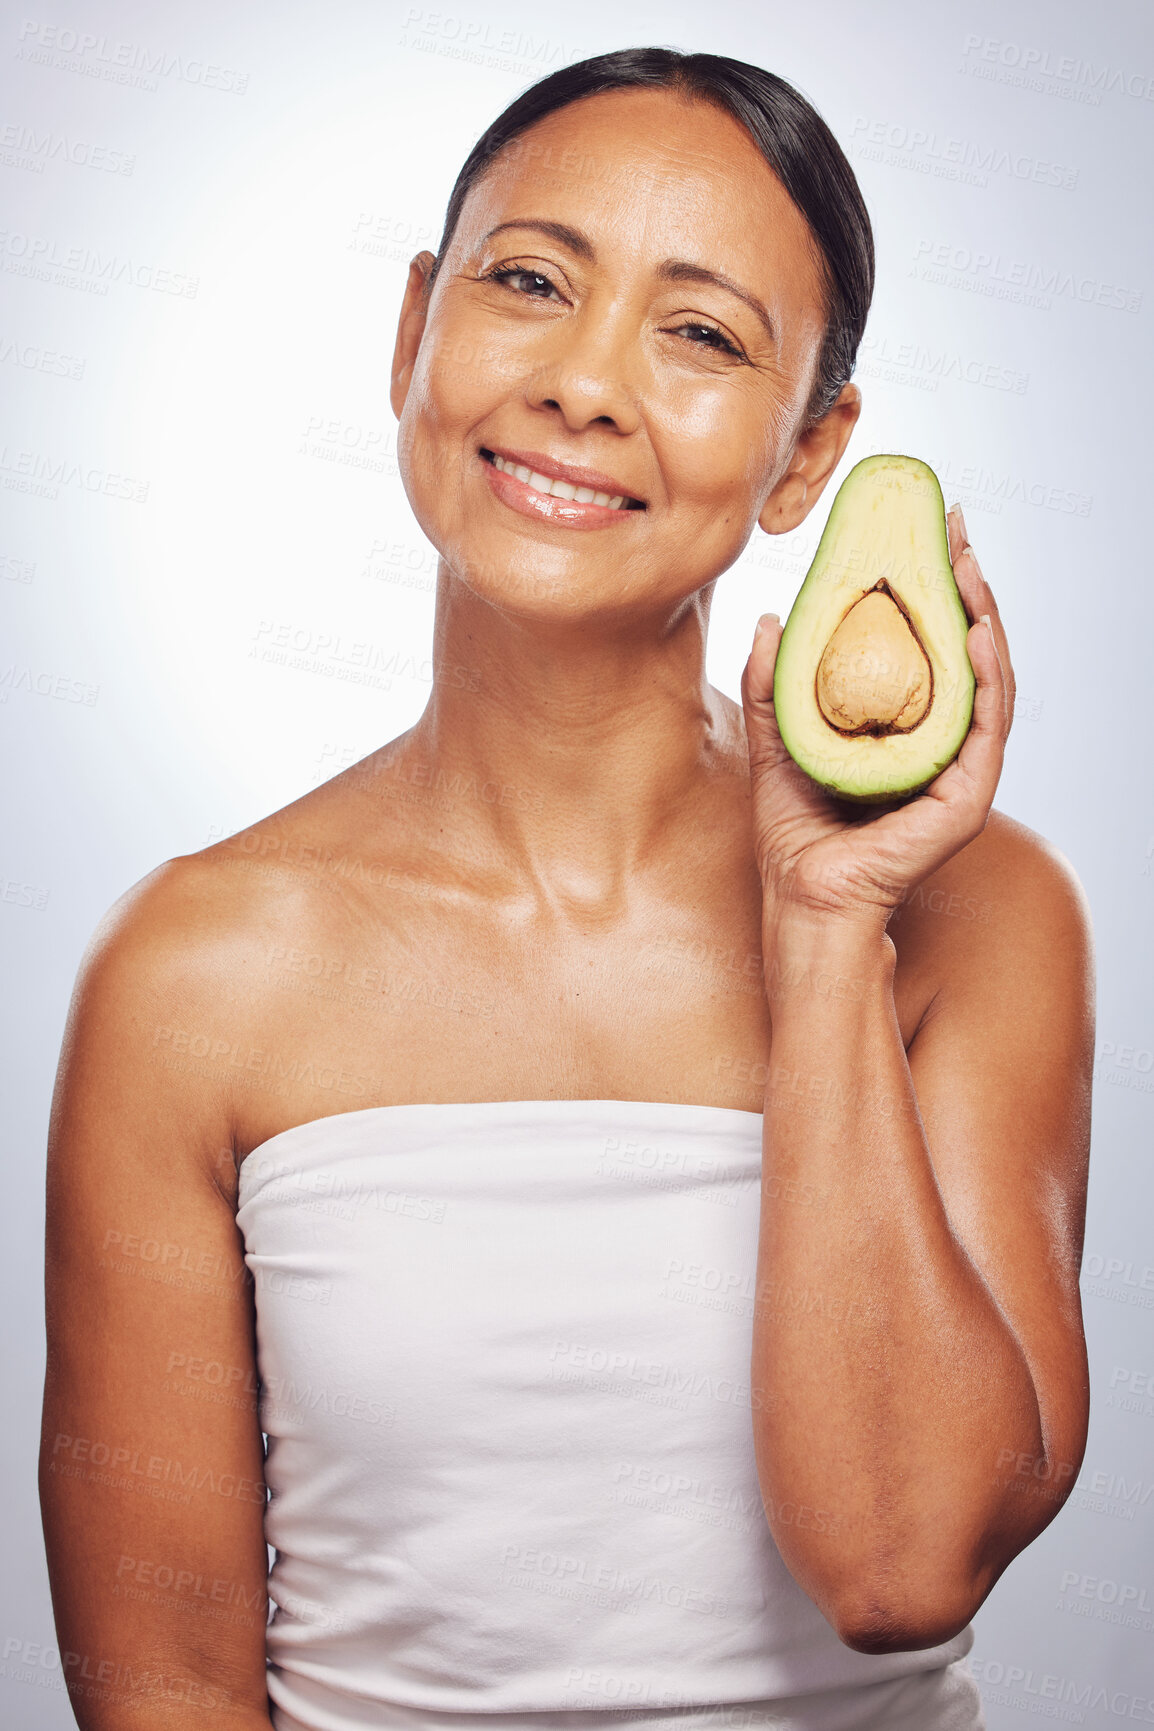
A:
(589, 373)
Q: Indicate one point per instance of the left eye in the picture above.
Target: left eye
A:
(711, 332)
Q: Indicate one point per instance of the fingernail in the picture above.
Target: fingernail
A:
(988, 623)
(957, 510)
(766, 619)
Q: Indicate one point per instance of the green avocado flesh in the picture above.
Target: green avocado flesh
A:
(873, 688)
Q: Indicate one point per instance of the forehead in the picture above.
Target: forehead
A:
(653, 173)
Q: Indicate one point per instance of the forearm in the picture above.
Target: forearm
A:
(172, 1684)
(889, 1378)
(162, 1714)
(159, 1683)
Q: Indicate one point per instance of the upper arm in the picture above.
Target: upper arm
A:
(152, 1459)
(1002, 1067)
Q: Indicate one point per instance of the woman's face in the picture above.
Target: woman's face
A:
(579, 318)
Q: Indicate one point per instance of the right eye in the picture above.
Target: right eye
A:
(505, 274)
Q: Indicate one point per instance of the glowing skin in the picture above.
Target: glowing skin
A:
(586, 873)
(601, 361)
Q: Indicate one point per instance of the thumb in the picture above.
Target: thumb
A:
(757, 692)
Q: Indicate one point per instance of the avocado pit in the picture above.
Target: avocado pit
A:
(874, 676)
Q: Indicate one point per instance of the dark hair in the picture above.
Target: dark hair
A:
(789, 132)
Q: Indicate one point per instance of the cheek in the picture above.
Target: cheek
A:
(459, 381)
(464, 368)
(422, 453)
(447, 377)
(721, 446)
(442, 401)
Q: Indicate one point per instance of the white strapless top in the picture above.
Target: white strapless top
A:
(504, 1350)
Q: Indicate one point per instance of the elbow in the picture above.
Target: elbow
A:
(880, 1623)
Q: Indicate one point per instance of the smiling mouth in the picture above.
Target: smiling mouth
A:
(558, 489)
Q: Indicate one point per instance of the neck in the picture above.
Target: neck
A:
(596, 742)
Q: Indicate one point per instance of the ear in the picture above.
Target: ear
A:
(410, 328)
(816, 455)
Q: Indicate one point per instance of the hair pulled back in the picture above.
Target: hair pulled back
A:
(792, 137)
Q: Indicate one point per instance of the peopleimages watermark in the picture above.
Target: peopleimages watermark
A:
(1125, 1066)
(81, 267)
(1018, 280)
(22, 895)
(122, 1467)
(435, 30)
(990, 489)
(349, 443)
(1029, 66)
(24, 147)
(384, 235)
(1111, 1493)
(43, 476)
(131, 63)
(41, 682)
(926, 151)
(1033, 1687)
(328, 653)
(35, 359)
(88, 1676)
(924, 366)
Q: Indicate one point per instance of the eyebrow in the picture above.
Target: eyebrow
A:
(669, 270)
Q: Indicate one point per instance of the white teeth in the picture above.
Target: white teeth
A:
(547, 484)
(558, 489)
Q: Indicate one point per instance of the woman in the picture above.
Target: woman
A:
(635, 1334)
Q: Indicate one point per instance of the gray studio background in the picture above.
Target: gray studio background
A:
(215, 594)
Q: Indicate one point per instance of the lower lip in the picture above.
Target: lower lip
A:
(566, 513)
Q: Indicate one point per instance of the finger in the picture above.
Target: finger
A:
(777, 779)
(764, 740)
(974, 590)
(971, 780)
(977, 596)
(972, 586)
(956, 531)
(763, 658)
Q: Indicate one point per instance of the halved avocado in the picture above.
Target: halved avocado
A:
(873, 689)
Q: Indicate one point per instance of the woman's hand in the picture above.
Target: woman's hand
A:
(817, 853)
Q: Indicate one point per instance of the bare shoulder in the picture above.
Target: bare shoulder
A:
(193, 920)
(181, 930)
(1010, 896)
(175, 980)
(1019, 867)
(161, 957)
